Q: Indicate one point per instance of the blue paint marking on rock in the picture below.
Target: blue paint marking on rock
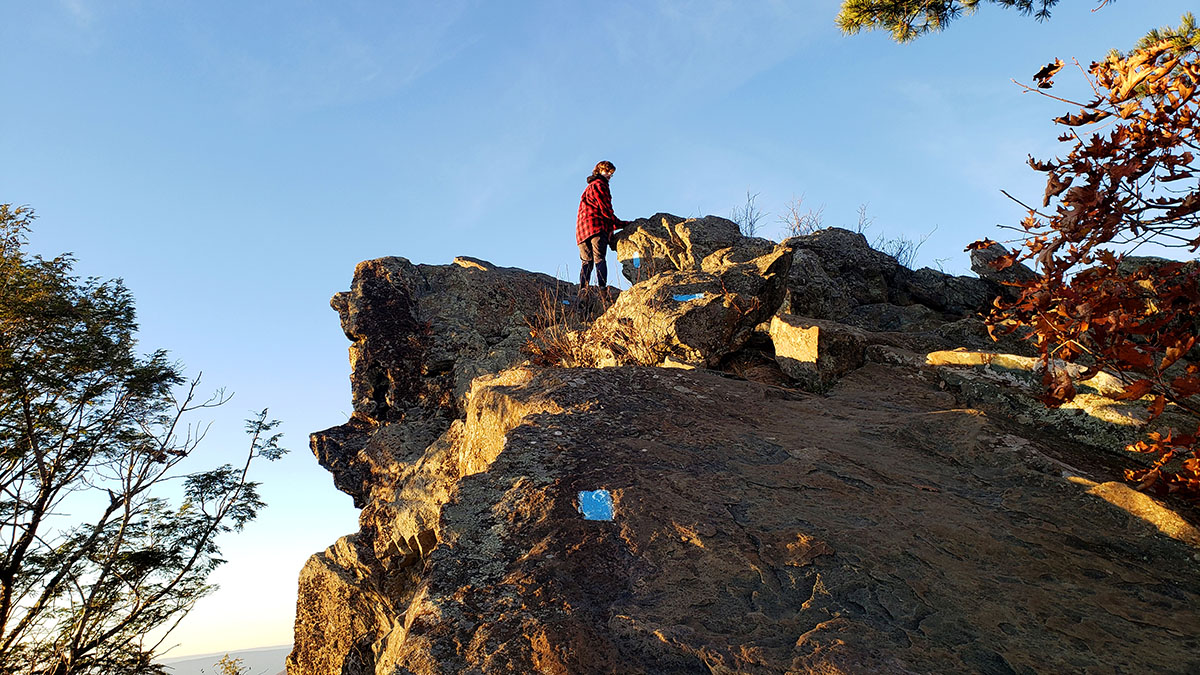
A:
(566, 302)
(596, 505)
(637, 262)
(685, 298)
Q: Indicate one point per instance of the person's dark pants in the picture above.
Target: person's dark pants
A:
(591, 254)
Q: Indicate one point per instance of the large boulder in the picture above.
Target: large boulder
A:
(664, 242)
(864, 273)
(952, 294)
(421, 333)
(816, 353)
(811, 291)
(691, 317)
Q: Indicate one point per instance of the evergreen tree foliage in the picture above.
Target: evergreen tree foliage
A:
(1182, 38)
(908, 20)
(93, 558)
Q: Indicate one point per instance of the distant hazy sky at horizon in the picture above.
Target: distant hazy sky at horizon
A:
(233, 161)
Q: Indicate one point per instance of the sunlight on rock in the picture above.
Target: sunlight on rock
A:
(795, 344)
(689, 535)
(1142, 506)
(596, 505)
(1018, 372)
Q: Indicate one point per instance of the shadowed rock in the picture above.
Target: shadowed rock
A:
(863, 273)
(942, 292)
(981, 264)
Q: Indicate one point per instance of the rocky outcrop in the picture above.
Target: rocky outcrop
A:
(420, 334)
(692, 317)
(759, 534)
(900, 504)
(834, 273)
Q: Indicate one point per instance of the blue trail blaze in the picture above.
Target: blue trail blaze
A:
(596, 505)
(685, 298)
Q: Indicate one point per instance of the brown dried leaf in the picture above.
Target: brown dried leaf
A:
(1044, 76)
(1084, 117)
(1003, 262)
(1176, 352)
(1135, 390)
(1055, 187)
(1059, 388)
(1156, 408)
(1129, 354)
(1186, 385)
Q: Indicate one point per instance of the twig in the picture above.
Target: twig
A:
(1030, 208)
(1035, 90)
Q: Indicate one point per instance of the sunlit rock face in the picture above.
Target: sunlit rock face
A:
(692, 317)
(830, 494)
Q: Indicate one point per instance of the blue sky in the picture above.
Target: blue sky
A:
(232, 162)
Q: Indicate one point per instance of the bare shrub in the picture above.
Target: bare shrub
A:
(864, 221)
(747, 216)
(798, 221)
(903, 249)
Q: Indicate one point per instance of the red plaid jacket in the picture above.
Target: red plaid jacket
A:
(595, 211)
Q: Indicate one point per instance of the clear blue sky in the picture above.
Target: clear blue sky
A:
(232, 161)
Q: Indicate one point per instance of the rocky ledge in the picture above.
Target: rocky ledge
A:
(816, 461)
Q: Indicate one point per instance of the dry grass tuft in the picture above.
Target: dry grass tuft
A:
(556, 333)
(567, 335)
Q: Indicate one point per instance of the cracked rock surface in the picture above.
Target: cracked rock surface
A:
(880, 528)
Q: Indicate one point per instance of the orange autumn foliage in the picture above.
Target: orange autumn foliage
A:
(1130, 178)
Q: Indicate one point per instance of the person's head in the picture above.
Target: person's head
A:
(604, 168)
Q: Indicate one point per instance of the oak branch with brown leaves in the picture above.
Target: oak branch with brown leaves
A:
(1128, 181)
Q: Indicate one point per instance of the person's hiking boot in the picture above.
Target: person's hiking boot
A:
(606, 296)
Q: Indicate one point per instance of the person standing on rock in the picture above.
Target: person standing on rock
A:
(594, 227)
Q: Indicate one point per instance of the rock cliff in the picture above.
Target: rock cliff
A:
(816, 459)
